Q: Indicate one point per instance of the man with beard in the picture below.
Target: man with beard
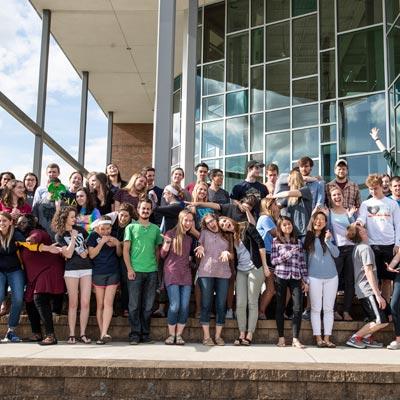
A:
(395, 189)
(142, 241)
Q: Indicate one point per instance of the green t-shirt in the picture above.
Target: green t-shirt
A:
(144, 241)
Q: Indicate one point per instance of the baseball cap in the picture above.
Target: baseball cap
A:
(341, 161)
(254, 163)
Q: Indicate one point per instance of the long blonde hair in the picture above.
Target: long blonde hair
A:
(266, 207)
(131, 184)
(5, 240)
(195, 193)
(177, 242)
(296, 183)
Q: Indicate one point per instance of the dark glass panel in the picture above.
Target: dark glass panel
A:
(236, 135)
(256, 132)
(277, 120)
(200, 16)
(356, 118)
(328, 159)
(394, 52)
(304, 45)
(198, 94)
(177, 82)
(277, 86)
(328, 133)
(213, 107)
(257, 88)
(197, 144)
(237, 103)
(277, 10)
(361, 66)
(392, 10)
(305, 116)
(277, 150)
(328, 75)
(305, 90)
(214, 32)
(238, 15)
(327, 23)
(213, 78)
(328, 112)
(257, 12)
(237, 61)
(358, 13)
(305, 142)
(213, 139)
(277, 41)
(199, 44)
(257, 46)
(234, 171)
(300, 7)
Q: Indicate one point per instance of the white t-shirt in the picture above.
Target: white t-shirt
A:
(382, 220)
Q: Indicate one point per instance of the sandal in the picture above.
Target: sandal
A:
(84, 339)
(238, 341)
(208, 342)
(71, 340)
(101, 341)
(330, 345)
(219, 341)
(298, 344)
(170, 340)
(246, 342)
(49, 340)
(321, 344)
(36, 337)
(107, 338)
(179, 341)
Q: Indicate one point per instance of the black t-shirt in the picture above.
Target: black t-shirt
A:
(107, 207)
(9, 260)
(106, 262)
(245, 188)
(69, 199)
(76, 262)
(221, 196)
(233, 211)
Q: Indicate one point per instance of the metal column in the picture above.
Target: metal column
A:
(189, 90)
(42, 91)
(162, 131)
(109, 136)
(83, 120)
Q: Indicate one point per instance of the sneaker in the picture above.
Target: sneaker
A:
(229, 314)
(306, 315)
(354, 342)
(395, 345)
(370, 342)
(134, 340)
(147, 340)
(11, 337)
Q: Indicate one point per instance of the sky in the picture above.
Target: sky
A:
(20, 33)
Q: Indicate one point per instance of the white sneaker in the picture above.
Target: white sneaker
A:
(395, 345)
(229, 314)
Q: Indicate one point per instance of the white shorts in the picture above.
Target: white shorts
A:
(78, 273)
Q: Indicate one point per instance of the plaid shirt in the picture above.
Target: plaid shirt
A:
(289, 260)
(351, 194)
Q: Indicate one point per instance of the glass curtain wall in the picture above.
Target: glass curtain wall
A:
(281, 79)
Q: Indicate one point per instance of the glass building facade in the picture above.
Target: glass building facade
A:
(281, 79)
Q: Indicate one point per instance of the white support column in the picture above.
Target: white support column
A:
(189, 89)
(83, 120)
(109, 136)
(162, 132)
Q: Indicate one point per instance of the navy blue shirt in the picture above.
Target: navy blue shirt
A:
(106, 262)
(9, 260)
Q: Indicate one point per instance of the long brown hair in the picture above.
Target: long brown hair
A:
(280, 235)
(296, 183)
(6, 239)
(310, 235)
(177, 242)
(60, 219)
(7, 196)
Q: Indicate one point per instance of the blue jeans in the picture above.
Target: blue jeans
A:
(142, 292)
(16, 280)
(179, 299)
(207, 287)
(395, 305)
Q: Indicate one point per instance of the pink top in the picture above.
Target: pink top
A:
(210, 265)
(25, 209)
(177, 268)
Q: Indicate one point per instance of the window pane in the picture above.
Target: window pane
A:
(277, 150)
(328, 155)
(328, 75)
(176, 122)
(277, 91)
(257, 88)
(328, 112)
(177, 83)
(256, 132)
(305, 46)
(213, 139)
(277, 10)
(197, 144)
(305, 90)
(176, 156)
(215, 163)
(394, 52)
(234, 171)
(214, 32)
(277, 120)
(198, 94)
(357, 13)
(238, 15)
(361, 67)
(213, 80)
(237, 61)
(277, 41)
(236, 103)
(257, 12)
(236, 135)
(257, 46)
(328, 133)
(356, 118)
(305, 116)
(213, 107)
(199, 44)
(327, 23)
(300, 7)
(392, 10)
(305, 142)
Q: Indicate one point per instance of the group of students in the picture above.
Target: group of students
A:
(295, 235)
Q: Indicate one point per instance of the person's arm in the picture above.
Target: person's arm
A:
(279, 257)
(375, 136)
(94, 251)
(390, 160)
(68, 251)
(127, 260)
(166, 246)
(214, 206)
(396, 223)
(286, 193)
(249, 215)
(391, 267)
(369, 273)
(321, 194)
(331, 246)
(362, 215)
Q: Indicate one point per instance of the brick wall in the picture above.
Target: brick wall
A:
(132, 147)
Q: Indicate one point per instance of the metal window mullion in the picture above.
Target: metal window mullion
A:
(319, 86)
(362, 28)
(225, 86)
(290, 83)
(249, 69)
(335, 13)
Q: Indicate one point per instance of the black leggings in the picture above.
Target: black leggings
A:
(281, 286)
(40, 310)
